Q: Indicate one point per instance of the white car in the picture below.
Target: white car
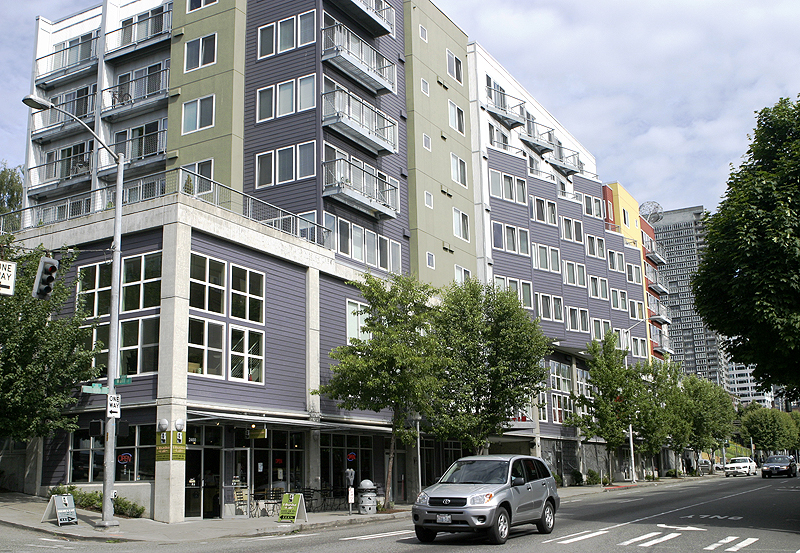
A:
(740, 465)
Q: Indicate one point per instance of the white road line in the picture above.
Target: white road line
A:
(585, 537)
(741, 544)
(640, 538)
(567, 536)
(720, 543)
(658, 540)
(268, 538)
(375, 536)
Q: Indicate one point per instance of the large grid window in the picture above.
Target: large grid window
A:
(99, 334)
(95, 288)
(247, 294)
(135, 454)
(206, 344)
(139, 346)
(247, 355)
(141, 282)
(207, 284)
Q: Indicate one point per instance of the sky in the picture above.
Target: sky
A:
(662, 92)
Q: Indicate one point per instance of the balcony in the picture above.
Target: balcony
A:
(506, 147)
(140, 95)
(656, 281)
(50, 123)
(537, 137)
(376, 16)
(361, 190)
(75, 59)
(141, 151)
(136, 35)
(661, 340)
(566, 161)
(505, 108)
(357, 120)
(76, 167)
(345, 50)
(661, 312)
(654, 251)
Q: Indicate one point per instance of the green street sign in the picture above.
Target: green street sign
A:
(122, 380)
(95, 388)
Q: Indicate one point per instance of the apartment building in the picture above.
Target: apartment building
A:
(740, 382)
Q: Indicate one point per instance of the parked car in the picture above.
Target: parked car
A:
(704, 466)
(488, 493)
(776, 465)
(740, 465)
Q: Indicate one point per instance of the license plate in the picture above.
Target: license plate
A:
(444, 519)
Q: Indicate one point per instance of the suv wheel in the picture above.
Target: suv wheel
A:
(424, 535)
(498, 534)
(546, 524)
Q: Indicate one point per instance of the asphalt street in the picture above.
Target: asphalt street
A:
(747, 514)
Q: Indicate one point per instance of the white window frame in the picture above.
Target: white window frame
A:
(299, 107)
(313, 28)
(278, 112)
(246, 354)
(203, 4)
(458, 170)
(201, 51)
(313, 172)
(258, 103)
(199, 117)
(278, 165)
(426, 142)
(425, 87)
(270, 153)
(423, 33)
(248, 295)
(206, 348)
(428, 200)
(274, 41)
(278, 35)
(458, 224)
(458, 67)
(462, 274)
(454, 111)
(430, 260)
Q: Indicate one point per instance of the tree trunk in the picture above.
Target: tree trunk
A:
(610, 468)
(389, 471)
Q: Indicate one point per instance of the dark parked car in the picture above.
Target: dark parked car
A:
(488, 493)
(777, 465)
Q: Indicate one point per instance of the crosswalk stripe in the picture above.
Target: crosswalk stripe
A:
(585, 537)
(741, 544)
(720, 543)
(658, 540)
(640, 538)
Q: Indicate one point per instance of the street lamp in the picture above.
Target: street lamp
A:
(630, 426)
(109, 465)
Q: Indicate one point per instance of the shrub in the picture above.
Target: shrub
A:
(606, 481)
(592, 478)
(559, 481)
(93, 501)
(576, 477)
(673, 473)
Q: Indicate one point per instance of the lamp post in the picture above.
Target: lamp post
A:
(109, 444)
(630, 426)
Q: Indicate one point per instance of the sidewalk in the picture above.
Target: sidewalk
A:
(26, 511)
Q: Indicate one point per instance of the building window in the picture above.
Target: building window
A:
(526, 294)
(357, 251)
(141, 282)
(193, 5)
(454, 67)
(456, 117)
(428, 200)
(95, 289)
(198, 114)
(138, 343)
(247, 355)
(266, 41)
(423, 33)
(462, 274)
(138, 449)
(511, 239)
(247, 294)
(460, 224)
(206, 347)
(356, 318)
(598, 288)
(425, 87)
(285, 98)
(264, 169)
(430, 260)
(634, 273)
(306, 92)
(426, 142)
(458, 169)
(207, 284)
(285, 164)
(306, 28)
(306, 155)
(497, 235)
(524, 242)
(200, 52)
(265, 103)
(286, 38)
(344, 237)
(626, 219)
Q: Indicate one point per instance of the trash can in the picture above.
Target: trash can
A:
(367, 498)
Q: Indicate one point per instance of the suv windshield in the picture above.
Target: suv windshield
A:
(777, 459)
(476, 472)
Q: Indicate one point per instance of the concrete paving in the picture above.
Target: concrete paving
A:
(26, 511)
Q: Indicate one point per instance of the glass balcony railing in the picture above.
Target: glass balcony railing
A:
(348, 52)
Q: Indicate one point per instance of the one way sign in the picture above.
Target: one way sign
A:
(8, 275)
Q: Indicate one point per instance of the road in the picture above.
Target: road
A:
(746, 514)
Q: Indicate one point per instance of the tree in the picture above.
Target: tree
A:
(393, 366)
(770, 429)
(615, 391)
(709, 411)
(10, 188)
(491, 351)
(747, 286)
(43, 352)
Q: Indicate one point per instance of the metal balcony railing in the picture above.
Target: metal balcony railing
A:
(71, 55)
(654, 250)
(662, 312)
(657, 281)
(177, 181)
(74, 166)
(136, 90)
(377, 16)
(539, 174)
(139, 147)
(341, 174)
(565, 160)
(133, 32)
(506, 147)
(351, 54)
(506, 108)
(359, 121)
(79, 106)
(537, 136)
(612, 227)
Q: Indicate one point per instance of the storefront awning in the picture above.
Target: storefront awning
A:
(196, 415)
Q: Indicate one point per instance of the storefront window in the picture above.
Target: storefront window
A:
(135, 456)
(338, 453)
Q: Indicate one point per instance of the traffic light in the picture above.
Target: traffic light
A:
(45, 276)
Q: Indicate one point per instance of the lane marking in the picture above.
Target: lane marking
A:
(720, 543)
(659, 540)
(640, 538)
(376, 536)
(567, 536)
(687, 528)
(630, 500)
(586, 537)
(269, 538)
(743, 543)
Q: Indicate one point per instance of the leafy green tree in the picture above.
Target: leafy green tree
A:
(43, 352)
(394, 367)
(709, 410)
(613, 405)
(491, 351)
(747, 286)
(796, 420)
(10, 188)
(770, 429)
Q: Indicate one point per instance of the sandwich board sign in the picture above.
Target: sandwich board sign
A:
(64, 508)
(293, 505)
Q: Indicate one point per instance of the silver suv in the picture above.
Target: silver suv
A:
(488, 493)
